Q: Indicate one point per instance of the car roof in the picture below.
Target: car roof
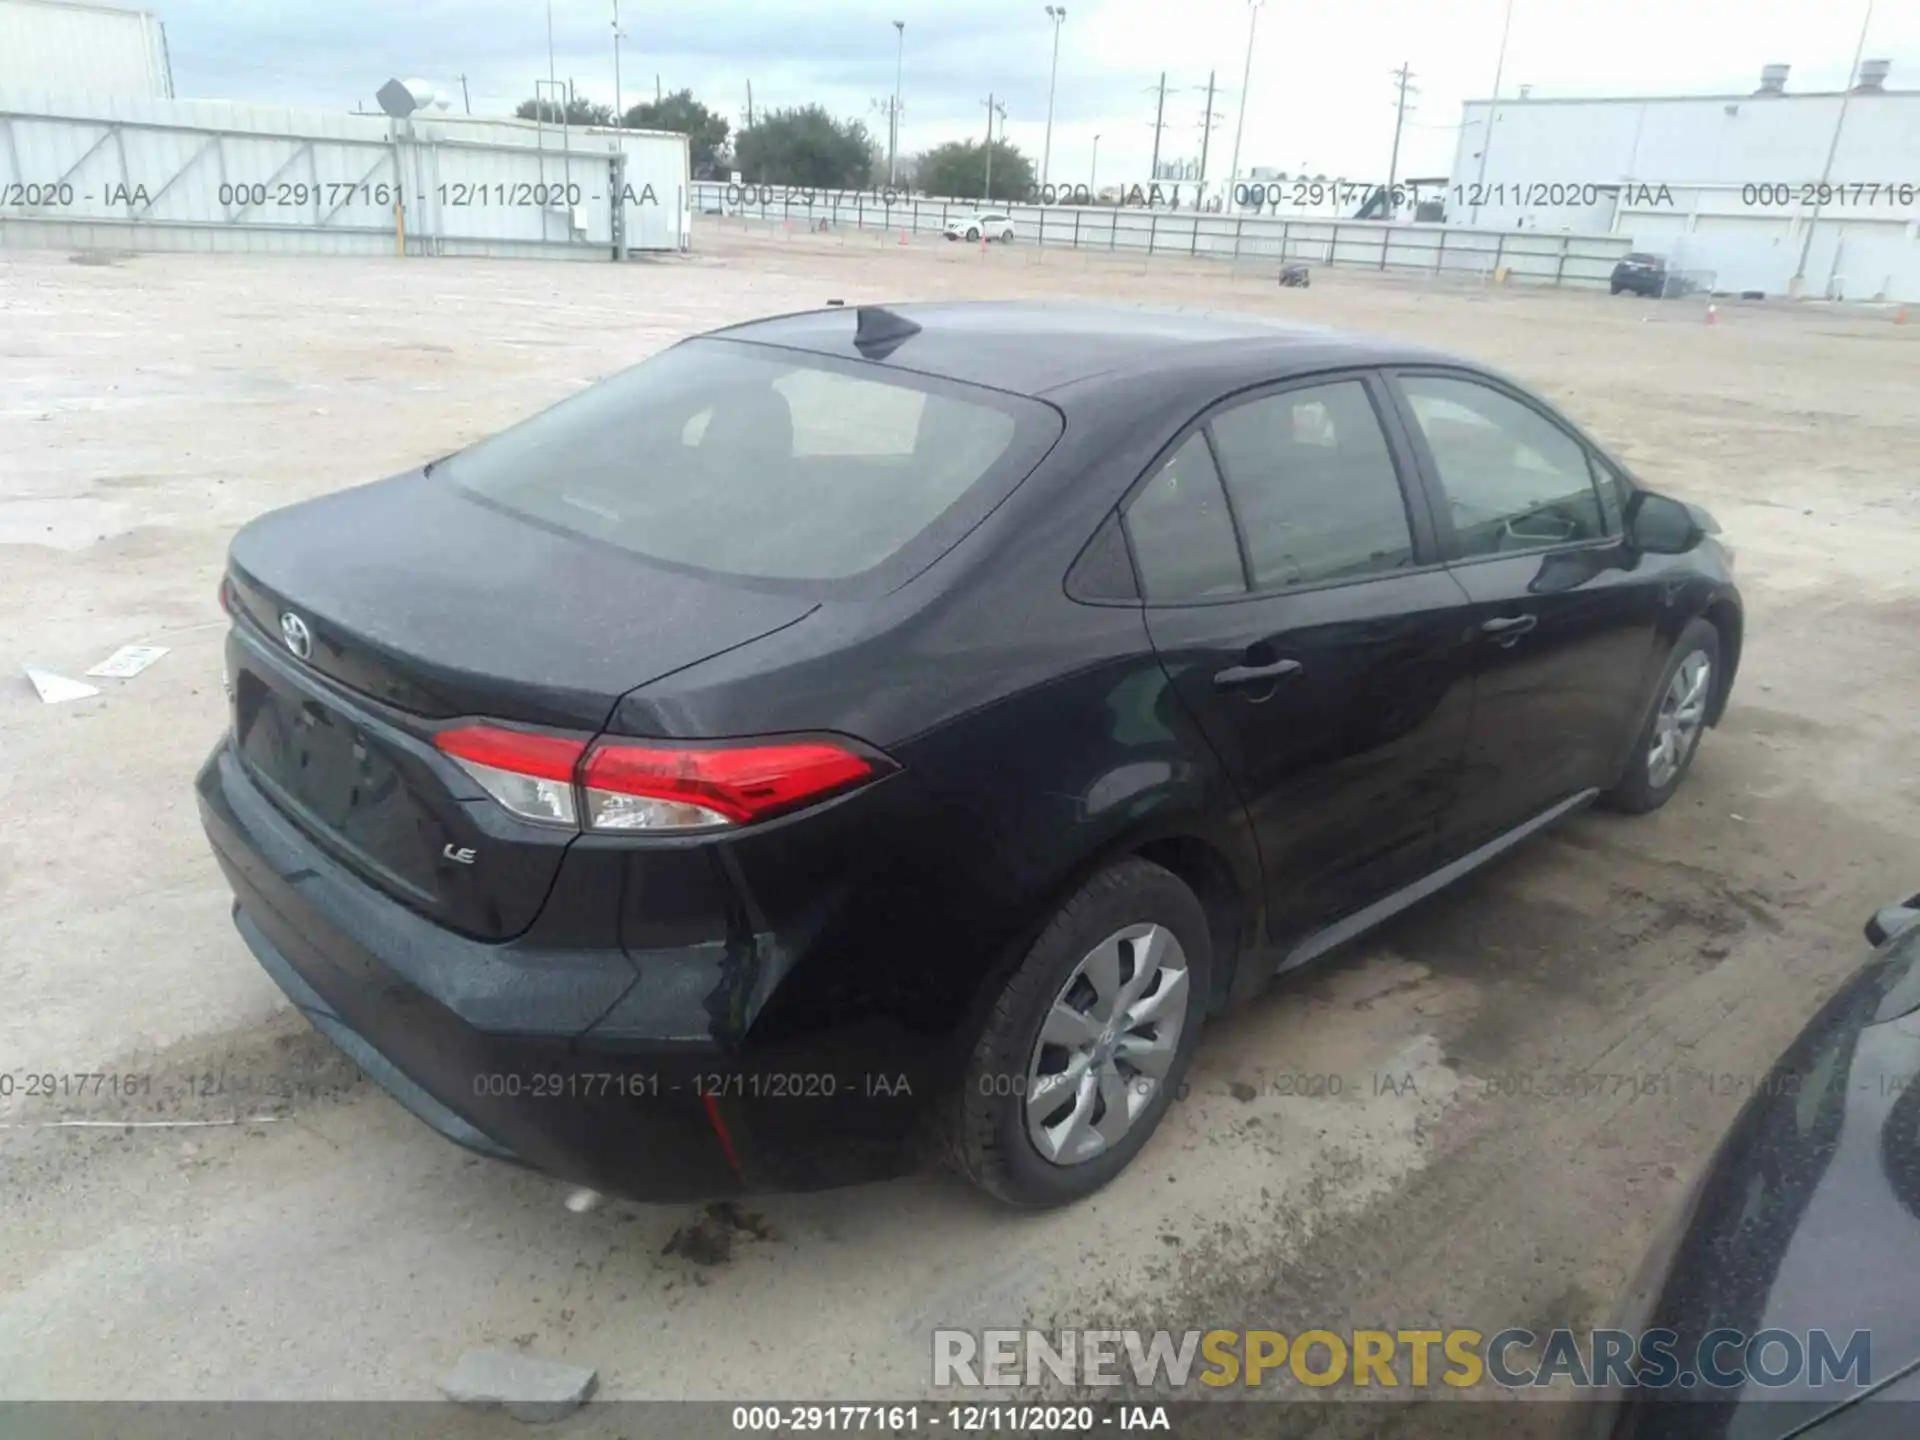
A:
(1034, 347)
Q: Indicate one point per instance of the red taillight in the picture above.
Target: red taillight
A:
(531, 775)
(226, 600)
(630, 785)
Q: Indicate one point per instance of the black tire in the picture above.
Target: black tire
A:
(973, 233)
(1006, 237)
(988, 1140)
(1635, 793)
(1613, 289)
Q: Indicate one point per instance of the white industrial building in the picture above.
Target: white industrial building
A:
(1729, 186)
(87, 47)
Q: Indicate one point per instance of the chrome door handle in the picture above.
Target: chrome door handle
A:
(1236, 676)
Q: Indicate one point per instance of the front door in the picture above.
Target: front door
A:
(1564, 619)
(1295, 600)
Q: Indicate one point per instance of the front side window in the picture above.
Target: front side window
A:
(1182, 535)
(1514, 480)
(758, 463)
(1314, 486)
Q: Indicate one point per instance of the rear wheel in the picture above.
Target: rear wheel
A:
(973, 232)
(1670, 736)
(1089, 1041)
(1006, 236)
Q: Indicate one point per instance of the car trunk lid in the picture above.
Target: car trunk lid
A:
(368, 620)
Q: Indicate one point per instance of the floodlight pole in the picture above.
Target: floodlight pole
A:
(1799, 281)
(1493, 109)
(1246, 79)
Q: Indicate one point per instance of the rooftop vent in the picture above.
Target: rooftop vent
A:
(1872, 79)
(1773, 80)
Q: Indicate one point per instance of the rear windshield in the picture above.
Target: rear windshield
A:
(763, 463)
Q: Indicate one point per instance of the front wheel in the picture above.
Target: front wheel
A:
(1670, 736)
(973, 234)
(1089, 1042)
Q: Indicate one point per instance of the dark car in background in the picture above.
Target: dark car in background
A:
(1806, 1219)
(1644, 274)
(858, 737)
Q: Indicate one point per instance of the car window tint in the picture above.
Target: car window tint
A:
(756, 463)
(1514, 480)
(1313, 483)
(1182, 535)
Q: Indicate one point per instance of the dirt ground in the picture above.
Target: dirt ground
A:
(332, 1247)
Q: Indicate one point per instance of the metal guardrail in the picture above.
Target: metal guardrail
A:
(1530, 256)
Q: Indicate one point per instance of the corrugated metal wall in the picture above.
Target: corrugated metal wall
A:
(1727, 187)
(82, 49)
(143, 174)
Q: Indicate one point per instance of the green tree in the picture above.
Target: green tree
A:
(958, 169)
(706, 132)
(805, 146)
(579, 111)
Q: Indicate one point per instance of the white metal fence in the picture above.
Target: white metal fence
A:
(1530, 256)
(212, 176)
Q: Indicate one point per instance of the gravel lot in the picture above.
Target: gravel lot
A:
(338, 1249)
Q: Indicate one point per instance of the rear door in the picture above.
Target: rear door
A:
(1294, 594)
(1563, 620)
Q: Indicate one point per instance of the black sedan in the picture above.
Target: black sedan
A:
(1802, 1235)
(858, 738)
(1643, 274)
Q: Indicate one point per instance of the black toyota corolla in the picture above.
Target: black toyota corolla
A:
(870, 736)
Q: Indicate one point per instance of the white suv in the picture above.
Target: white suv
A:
(993, 225)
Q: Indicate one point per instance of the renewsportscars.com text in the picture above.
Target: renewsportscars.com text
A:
(1386, 1360)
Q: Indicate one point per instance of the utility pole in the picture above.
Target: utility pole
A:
(1206, 131)
(465, 103)
(992, 110)
(893, 122)
(1799, 281)
(1093, 171)
(656, 87)
(1246, 79)
(1404, 75)
(749, 104)
(1058, 15)
(618, 104)
(1159, 123)
(1493, 110)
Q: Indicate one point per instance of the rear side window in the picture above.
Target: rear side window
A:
(1314, 485)
(761, 463)
(1183, 541)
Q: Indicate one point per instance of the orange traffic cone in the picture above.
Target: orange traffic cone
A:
(903, 237)
(1900, 316)
(1713, 312)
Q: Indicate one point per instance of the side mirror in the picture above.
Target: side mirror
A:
(1661, 526)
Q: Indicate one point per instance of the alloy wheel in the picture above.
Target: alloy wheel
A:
(1683, 710)
(1107, 1043)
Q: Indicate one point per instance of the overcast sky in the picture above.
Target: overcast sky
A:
(1321, 96)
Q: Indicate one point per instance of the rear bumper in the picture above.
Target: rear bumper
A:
(530, 1054)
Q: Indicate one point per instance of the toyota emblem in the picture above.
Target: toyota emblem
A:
(295, 632)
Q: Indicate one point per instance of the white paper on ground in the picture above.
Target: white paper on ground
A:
(55, 688)
(128, 661)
